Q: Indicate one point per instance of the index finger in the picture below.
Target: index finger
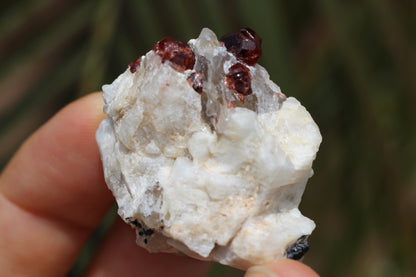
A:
(52, 193)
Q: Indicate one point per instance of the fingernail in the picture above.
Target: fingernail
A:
(260, 271)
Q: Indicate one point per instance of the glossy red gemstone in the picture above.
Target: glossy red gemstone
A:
(134, 65)
(239, 79)
(195, 80)
(177, 52)
(245, 45)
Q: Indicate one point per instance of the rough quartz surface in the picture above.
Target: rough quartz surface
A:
(214, 174)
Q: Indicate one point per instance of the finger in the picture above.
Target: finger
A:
(57, 172)
(282, 268)
(120, 256)
(52, 193)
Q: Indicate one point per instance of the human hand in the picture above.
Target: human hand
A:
(53, 195)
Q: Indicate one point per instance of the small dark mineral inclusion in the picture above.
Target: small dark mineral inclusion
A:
(177, 52)
(134, 222)
(148, 232)
(245, 45)
(298, 249)
(239, 79)
(195, 81)
(134, 65)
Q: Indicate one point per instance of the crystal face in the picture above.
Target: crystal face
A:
(134, 65)
(177, 52)
(195, 80)
(245, 45)
(239, 79)
(206, 156)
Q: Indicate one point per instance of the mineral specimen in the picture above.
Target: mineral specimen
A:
(239, 79)
(245, 45)
(135, 64)
(195, 80)
(204, 154)
(177, 52)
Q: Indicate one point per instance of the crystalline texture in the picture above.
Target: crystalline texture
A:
(177, 52)
(205, 156)
(135, 64)
(238, 79)
(195, 80)
(245, 45)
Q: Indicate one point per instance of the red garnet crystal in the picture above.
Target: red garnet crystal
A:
(195, 80)
(134, 65)
(245, 45)
(177, 52)
(239, 79)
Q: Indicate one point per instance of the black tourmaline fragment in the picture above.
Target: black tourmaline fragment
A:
(141, 230)
(298, 249)
(134, 222)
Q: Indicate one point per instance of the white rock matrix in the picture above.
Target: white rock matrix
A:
(204, 154)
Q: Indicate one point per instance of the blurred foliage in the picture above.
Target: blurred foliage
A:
(351, 63)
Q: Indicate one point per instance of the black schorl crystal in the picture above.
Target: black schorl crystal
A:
(298, 249)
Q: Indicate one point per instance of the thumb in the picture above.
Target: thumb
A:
(281, 268)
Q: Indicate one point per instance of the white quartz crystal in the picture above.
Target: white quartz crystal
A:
(200, 174)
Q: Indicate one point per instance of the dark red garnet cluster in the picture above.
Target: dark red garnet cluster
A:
(177, 52)
(180, 56)
(245, 45)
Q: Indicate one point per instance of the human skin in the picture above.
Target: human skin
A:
(53, 196)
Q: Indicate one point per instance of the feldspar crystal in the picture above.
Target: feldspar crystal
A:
(204, 154)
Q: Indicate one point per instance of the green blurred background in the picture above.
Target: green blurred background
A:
(351, 63)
